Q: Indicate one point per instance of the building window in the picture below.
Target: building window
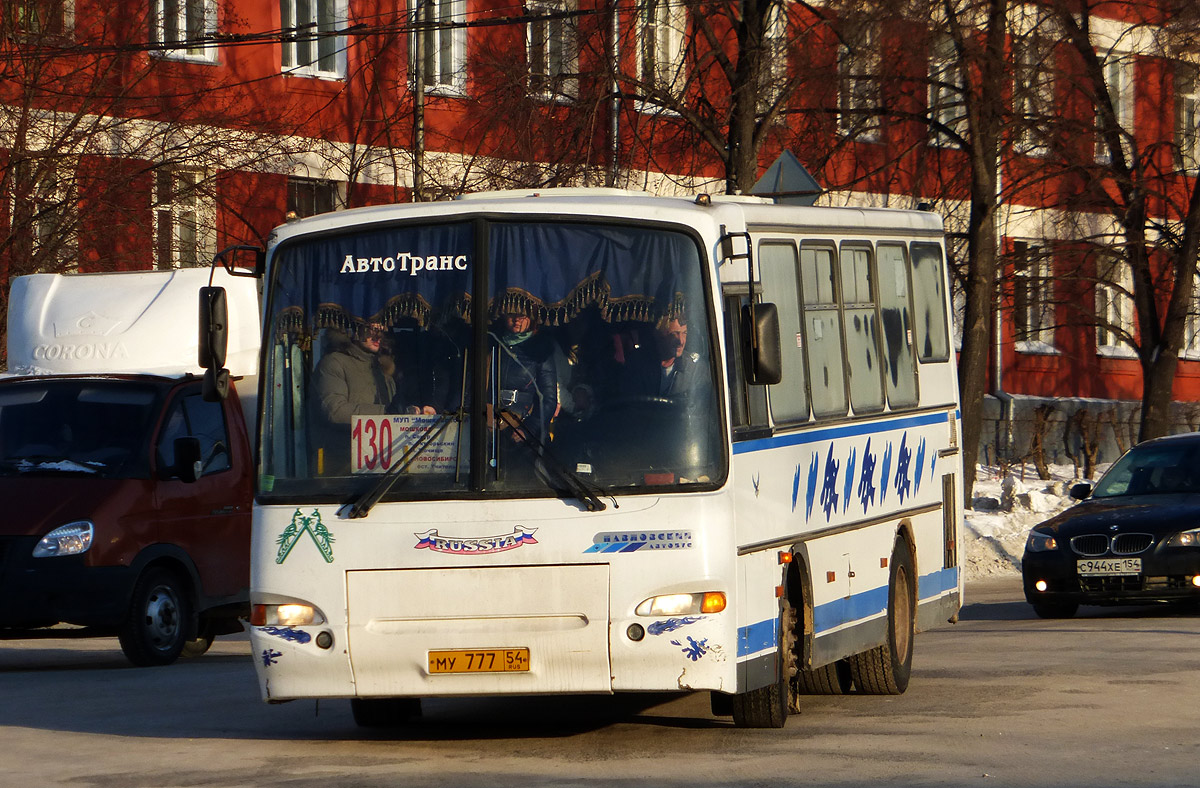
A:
(1187, 114)
(42, 221)
(1033, 94)
(662, 25)
(441, 41)
(310, 196)
(945, 92)
(184, 27)
(1118, 78)
(182, 220)
(1033, 298)
(41, 19)
(552, 50)
(858, 85)
(773, 71)
(310, 45)
(1114, 306)
(1191, 329)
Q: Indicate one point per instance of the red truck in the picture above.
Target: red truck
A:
(127, 493)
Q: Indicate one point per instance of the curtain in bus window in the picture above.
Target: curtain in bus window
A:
(383, 275)
(823, 332)
(929, 296)
(781, 286)
(553, 271)
(862, 331)
(895, 313)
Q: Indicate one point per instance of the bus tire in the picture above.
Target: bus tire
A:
(155, 630)
(384, 712)
(885, 670)
(831, 679)
(767, 707)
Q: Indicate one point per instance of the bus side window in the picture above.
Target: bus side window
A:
(899, 368)
(748, 404)
(779, 267)
(929, 291)
(862, 329)
(823, 331)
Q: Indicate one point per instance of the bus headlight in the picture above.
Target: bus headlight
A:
(682, 604)
(70, 539)
(285, 614)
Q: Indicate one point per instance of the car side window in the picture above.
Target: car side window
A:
(191, 416)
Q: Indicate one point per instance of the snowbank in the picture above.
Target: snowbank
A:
(1002, 512)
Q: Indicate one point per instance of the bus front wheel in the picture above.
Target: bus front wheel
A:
(885, 670)
(767, 707)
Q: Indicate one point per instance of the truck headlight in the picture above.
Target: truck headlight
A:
(1040, 543)
(70, 539)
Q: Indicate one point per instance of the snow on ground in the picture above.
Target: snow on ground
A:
(1002, 512)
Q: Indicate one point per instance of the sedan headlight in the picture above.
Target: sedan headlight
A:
(70, 539)
(1185, 539)
(1040, 543)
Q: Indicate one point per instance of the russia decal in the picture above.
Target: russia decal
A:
(480, 545)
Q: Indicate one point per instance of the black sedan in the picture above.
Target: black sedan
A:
(1135, 539)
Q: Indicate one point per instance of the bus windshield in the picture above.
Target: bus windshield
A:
(586, 368)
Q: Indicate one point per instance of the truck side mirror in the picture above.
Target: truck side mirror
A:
(214, 327)
(761, 356)
(189, 462)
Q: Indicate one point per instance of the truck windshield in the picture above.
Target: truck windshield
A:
(57, 426)
(586, 368)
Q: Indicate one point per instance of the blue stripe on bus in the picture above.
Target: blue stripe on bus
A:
(761, 636)
(843, 431)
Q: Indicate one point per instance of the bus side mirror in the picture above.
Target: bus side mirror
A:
(188, 459)
(761, 356)
(214, 341)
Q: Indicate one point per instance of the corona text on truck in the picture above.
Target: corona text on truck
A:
(591, 441)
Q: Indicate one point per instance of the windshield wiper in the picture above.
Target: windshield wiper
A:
(362, 507)
(575, 484)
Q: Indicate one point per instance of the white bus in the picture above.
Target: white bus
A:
(593, 441)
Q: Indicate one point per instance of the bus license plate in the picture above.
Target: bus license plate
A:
(483, 660)
(1108, 566)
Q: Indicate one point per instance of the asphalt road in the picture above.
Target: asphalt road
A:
(1109, 698)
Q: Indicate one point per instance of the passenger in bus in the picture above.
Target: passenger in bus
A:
(528, 381)
(668, 370)
(355, 377)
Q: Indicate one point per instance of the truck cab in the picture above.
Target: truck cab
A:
(128, 493)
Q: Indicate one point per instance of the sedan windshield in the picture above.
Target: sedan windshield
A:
(70, 426)
(1161, 467)
(586, 366)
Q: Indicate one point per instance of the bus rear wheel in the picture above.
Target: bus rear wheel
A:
(831, 679)
(885, 670)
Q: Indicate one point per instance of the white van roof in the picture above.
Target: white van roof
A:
(138, 322)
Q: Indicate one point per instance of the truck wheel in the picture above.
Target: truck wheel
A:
(767, 707)
(156, 628)
(384, 712)
(885, 670)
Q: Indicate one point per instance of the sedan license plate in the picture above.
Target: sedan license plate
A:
(482, 660)
(1100, 567)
